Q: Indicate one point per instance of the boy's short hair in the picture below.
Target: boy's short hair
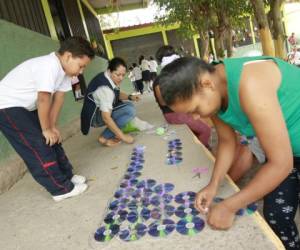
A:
(78, 46)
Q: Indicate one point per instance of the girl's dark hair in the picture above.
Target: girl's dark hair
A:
(114, 63)
(134, 65)
(163, 51)
(78, 46)
(179, 79)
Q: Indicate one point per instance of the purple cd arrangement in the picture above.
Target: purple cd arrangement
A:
(150, 183)
(107, 232)
(174, 155)
(164, 188)
(190, 225)
(161, 229)
(116, 217)
(185, 197)
(183, 211)
(133, 233)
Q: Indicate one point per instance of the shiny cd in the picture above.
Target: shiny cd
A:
(115, 217)
(185, 197)
(164, 188)
(161, 229)
(145, 213)
(146, 183)
(106, 233)
(132, 216)
(155, 214)
(168, 210)
(190, 225)
(133, 232)
(183, 211)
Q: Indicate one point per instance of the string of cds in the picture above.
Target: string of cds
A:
(174, 155)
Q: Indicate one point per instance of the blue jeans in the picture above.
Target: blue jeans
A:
(121, 116)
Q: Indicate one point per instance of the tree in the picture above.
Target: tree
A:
(263, 26)
(276, 26)
(192, 15)
(202, 16)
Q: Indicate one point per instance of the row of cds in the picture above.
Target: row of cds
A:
(189, 225)
(174, 155)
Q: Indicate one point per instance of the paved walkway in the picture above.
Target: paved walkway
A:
(30, 219)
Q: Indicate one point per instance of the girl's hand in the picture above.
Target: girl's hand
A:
(220, 216)
(204, 198)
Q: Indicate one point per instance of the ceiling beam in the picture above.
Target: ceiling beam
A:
(112, 9)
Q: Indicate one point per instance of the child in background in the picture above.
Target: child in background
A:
(137, 72)
(132, 79)
(165, 55)
(145, 67)
(31, 97)
(153, 70)
(76, 88)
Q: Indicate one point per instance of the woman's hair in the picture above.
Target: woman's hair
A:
(77, 46)
(179, 79)
(114, 63)
(134, 65)
(163, 51)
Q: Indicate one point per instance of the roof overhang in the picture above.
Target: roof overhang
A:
(109, 6)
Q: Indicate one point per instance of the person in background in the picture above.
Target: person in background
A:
(294, 57)
(132, 80)
(137, 72)
(292, 40)
(153, 70)
(31, 97)
(76, 88)
(145, 67)
(106, 105)
(165, 55)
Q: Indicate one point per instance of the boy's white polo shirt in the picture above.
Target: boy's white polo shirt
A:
(19, 88)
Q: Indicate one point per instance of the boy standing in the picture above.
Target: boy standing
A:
(31, 97)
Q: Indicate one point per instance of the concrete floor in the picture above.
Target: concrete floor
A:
(30, 219)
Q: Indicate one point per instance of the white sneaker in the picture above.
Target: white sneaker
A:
(78, 179)
(77, 190)
(141, 125)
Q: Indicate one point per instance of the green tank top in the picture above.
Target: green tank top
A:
(288, 95)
